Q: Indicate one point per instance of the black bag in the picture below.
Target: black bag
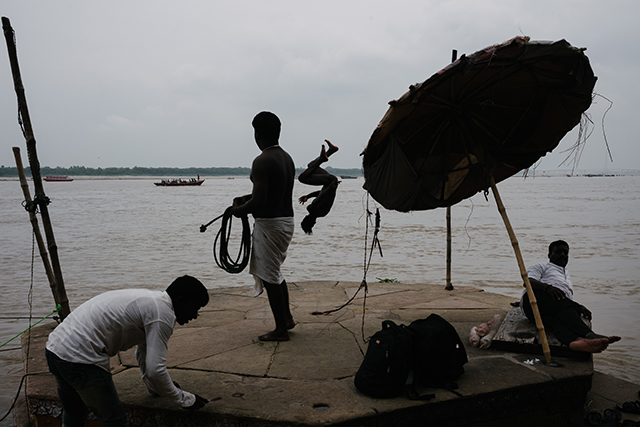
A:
(429, 348)
(438, 353)
(385, 368)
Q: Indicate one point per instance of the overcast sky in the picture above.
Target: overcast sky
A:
(177, 83)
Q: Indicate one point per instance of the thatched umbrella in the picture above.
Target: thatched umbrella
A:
(477, 122)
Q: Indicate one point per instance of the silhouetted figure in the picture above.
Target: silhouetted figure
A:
(315, 175)
(553, 290)
(271, 204)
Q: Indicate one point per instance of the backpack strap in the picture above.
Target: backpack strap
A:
(412, 391)
(412, 394)
(451, 389)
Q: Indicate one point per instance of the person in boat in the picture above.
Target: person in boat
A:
(559, 311)
(78, 350)
(271, 204)
(324, 198)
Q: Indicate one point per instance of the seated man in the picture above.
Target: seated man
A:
(78, 350)
(553, 290)
(315, 175)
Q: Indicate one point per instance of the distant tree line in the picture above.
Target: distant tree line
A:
(156, 172)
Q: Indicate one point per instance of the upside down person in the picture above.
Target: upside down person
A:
(324, 198)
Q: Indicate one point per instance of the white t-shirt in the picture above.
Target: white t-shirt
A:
(551, 274)
(116, 321)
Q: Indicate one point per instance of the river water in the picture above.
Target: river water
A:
(128, 233)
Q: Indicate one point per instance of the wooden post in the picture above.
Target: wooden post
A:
(40, 196)
(57, 297)
(546, 350)
(449, 286)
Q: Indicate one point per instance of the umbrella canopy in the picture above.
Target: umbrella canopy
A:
(492, 113)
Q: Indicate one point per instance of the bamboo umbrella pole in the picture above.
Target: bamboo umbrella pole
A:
(44, 255)
(449, 286)
(40, 196)
(523, 272)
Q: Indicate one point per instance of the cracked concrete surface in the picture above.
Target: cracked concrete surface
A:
(309, 379)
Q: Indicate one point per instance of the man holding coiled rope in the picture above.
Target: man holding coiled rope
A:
(271, 204)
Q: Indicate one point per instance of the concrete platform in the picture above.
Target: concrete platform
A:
(308, 381)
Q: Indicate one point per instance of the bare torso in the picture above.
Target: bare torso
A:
(323, 202)
(273, 174)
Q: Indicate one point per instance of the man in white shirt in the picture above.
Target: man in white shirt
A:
(78, 350)
(560, 313)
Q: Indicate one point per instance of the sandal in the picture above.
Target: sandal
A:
(611, 417)
(593, 419)
(630, 407)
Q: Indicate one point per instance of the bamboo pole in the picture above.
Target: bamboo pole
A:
(449, 286)
(44, 255)
(40, 196)
(523, 272)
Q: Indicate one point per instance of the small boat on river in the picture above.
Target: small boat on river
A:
(179, 182)
(58, 178)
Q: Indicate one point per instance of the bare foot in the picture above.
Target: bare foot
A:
(274, 336)
(323, 155)
(594, 345)
(332, 148)
(611, 339)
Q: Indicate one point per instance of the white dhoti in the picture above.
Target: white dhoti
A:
(270, 242)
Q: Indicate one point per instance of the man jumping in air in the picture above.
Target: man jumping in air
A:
(315, 175)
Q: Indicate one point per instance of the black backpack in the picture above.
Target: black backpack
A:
(430, 347)
(385, 368)
(438, 353)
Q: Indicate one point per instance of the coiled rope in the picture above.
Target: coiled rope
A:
(221, 243)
